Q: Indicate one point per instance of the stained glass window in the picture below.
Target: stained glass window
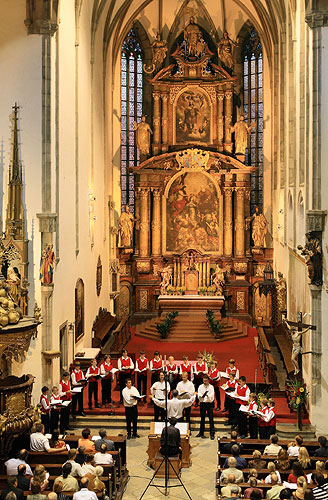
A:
(131, 111)
(253, 111)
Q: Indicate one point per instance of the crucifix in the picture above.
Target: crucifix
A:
(296, 330)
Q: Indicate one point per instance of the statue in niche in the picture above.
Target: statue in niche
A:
(160, 50)
(47, 265)
(313, 258)
(193, 38)
(241, 130)
(166, 274)
(281, 293)
(125, 227)
(225, 51)
(259, 227)
(143, 132)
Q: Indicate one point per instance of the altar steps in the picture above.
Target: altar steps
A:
(192, 328)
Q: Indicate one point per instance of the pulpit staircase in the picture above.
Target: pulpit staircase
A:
(192, 328)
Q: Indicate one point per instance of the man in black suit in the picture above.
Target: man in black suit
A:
(12, 486)
(23, 482)
(173, 439)
(227, 447)
(323, 450)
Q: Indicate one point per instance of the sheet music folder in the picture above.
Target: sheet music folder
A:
(182, 426)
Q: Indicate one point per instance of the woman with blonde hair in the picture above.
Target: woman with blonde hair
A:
(282, 462)
(304, 458)
(95, 483)
(272, 468)
(39, 477)
(301, 488)
(257, 462)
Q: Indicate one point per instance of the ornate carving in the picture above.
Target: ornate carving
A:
(15, 403)
(143, 300)
(143, 266)
(125, 270)
(281, 293)
(174, 91)
(143, 193)
(155, 225)
(42, 16)
(166, 274)
(159, 53)
(114, 266)
(193, 159)
(227, 225)
(240, 192)
(312, 253)
(259, 272)
(14, 346)
(315, 220)
(47, 222)
(99, 276)
(210, 91)
(240, 267)
(240, 300)
(228, 192)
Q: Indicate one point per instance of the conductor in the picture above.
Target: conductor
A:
(173, 439)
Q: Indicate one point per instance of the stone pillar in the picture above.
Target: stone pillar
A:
(228, 221)
(156, 223)
(157, 123)
(144, 222)
(165, 122)
(240, 223)
(220, 99)
(316, 344)
(228, 121)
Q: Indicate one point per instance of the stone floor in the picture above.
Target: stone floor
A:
(199, 479)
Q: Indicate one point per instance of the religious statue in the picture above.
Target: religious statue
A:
(13, 279)
(218, 278)
(166, 274)
(225, 51)
(281, 293)
(259, 227)
(241, 130)
(313, 258)
(143, 132)
(193, 39)
(125, 227)
(23, 296)
(159, 52)
(37, 312)
(47, 264)
(296, 337)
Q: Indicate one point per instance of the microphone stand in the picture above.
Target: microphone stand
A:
(167, 462)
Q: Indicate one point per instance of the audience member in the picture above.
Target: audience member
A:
(308, 495)
(55, 442)
(241, 462)
(58, 488)
(283, 462)
(226, 490)
(39, 442)
(298, 494)
(293, 448)
(104, 440)
(272, 468)
(304, 458)
(256, 495)
(323, 450)
(252, 487)
(52, 496)
(11, 496)
(36, 492)
(87, 441)
(95, 483)
(88, 467)
(69, 482)
(13, 463)
(232, 469)
(76, 468)
(297, 471)
(320, 492)
(320, 468)
(273, 448)
(84, 493)
(234, 492)
(274, 492)
(102, 457)
(285, 494)
(23, 481)
(254, 474)
(257, 462)
(39, 477)
(227, 447)
(12, 487)
(80, 457)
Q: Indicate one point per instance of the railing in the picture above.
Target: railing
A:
(122, 334)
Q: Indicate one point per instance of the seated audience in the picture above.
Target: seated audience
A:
(272, 468)
(84, 493)
(36, 492)
(293, 448)
(104, 440)
(80, 457)
(55, 442)
(87, 441)
(282, 462)
(102, 457)
(298, 494)
(69, 482)
(76, 468)
(308, 495)
(12, 487)
(11, 496)
(273, 448)
(274, 491)
(239, 476)
(252, 487)
(58, 488)
(234, 492)
(256, 495)
(304, 459)
(95, 483)
(320, 468)
(257, 462)
(227, 447)
(297, 471)
(39, 442)
(241, 461)
(13, 463)
(254, 474)
(226, 490)
(23, 481)
(39, 477)
(320, 492)
(285, 494)
(323, 450)
(88, 467)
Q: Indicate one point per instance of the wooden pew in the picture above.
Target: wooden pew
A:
(249, 445)
(267, 458)
(119, 442)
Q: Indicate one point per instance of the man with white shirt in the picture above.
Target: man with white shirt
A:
(157, 391)
(206, 398)
(130, 400)
(77, 382)
(175, 406)
(241, 396)
(84, 493)
(76, 468)
(125, 366)
(88, 467)
(187, 389)
(39, 442)
(13, 463)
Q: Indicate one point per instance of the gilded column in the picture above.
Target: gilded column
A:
(247, 212)
(240, 222)
(228, 121)
(220, 98)
(157, 123)
(228, 221)
(175, 272)
(165, 122)
(137, 226)
(208, 273)
(156, 223)
(144, 222)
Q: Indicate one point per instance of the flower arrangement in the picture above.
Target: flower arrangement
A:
(180, 290)
(208, 357)
(202, 290)
(170, 290)
(261, 396)
(215, 326)
(165, 326)
(297, 393)
(211, 290)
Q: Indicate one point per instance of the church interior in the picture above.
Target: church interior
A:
(162, 189)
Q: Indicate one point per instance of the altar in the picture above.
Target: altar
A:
(184, 304)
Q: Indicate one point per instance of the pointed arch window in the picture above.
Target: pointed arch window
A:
(253, 111)
(131, 111)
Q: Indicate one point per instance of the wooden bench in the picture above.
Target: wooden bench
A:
(119, 442)
(244, 486)
(267, 458)
(249, 445)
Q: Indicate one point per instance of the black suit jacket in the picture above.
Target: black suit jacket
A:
(321, 452)
(23, 483)
(19, 493)
(227, 447)
(173, 440)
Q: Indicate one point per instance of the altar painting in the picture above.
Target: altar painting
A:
(192, 214)
(193, 118)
